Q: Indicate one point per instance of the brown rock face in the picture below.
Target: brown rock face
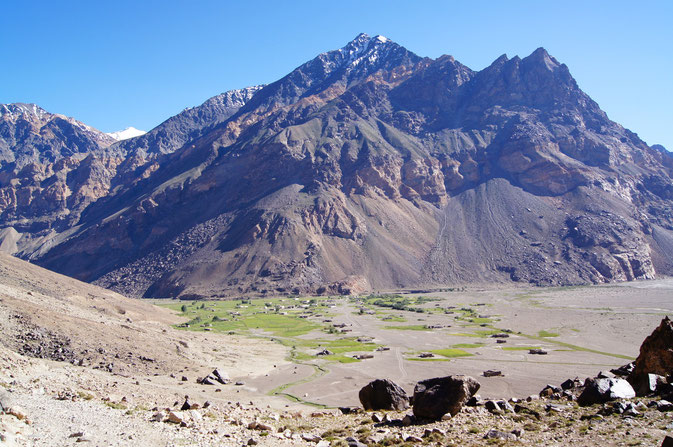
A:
(433, 398)
(383, 394)
(656, 355)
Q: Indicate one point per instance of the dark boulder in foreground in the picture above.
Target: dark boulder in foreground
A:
(655, 358)
(383, 394)
(597, 391)
(433, 398)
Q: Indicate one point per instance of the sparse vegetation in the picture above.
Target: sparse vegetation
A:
(547, 334)
(451, 352)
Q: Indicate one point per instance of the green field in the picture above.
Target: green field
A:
(451, 352)
(283, 320)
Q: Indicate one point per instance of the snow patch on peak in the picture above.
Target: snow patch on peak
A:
(126, 134)
(22, 109)
(382, 39)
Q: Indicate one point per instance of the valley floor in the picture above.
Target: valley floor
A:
(133, 361)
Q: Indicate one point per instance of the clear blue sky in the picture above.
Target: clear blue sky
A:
(136, 63)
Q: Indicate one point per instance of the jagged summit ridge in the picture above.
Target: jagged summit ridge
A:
(19, 109)
(363, 53)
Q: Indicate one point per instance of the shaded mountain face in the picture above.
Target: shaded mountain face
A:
(371, 168)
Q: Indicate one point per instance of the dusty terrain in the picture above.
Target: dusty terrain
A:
(597, 328)
(133, 360)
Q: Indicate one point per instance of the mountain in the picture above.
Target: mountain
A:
(129, 132)
(189, 124)
(30, 134)
(371, 168)
(662, 149)
(53, 167)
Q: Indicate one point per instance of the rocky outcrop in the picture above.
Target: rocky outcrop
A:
(433, 398)
(603, 390)
(655, 361)
(383, 394)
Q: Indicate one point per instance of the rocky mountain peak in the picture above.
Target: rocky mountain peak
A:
(543, 58)
(364, 53)
(232, 99)
(349, 65)
(15, 110)
(30, 134)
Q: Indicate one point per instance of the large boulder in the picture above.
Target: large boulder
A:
(656, 357)
(215, 377)
(383, 394)
(597, 391)
(433, 398)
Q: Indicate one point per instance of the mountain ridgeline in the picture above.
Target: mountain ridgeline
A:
(366, 168)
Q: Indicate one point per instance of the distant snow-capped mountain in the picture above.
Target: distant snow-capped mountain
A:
(126, 134)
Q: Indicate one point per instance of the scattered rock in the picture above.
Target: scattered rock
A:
(324, 352)
(664, 405)
(497, 434)
(603, 390)
(310, 438)
(352, 442)
(474, 401)
(557, 408)
(383, 394)
(215, 377)
(17, 412)
(85, 437)
(410, 438)
(518, 432)
(571, 383)
(647, 384)
(408, 420)
(537, 352)
(549, 390)
(429, 432)
(433, 398)
(159, 416)
(624, 370)
(175, 417)
(667, 442)
(492, 373)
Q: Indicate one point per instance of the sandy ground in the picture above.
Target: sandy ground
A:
(613, 319)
